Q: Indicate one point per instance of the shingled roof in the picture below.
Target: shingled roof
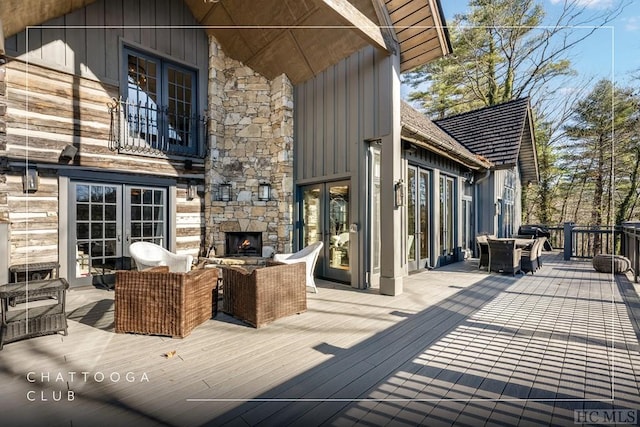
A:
(420, 130)
(502, 133)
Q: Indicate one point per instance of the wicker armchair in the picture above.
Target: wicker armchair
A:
(158, 302)
(265, 294)
(504, 257)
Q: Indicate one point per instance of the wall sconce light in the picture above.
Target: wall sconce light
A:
(264, 191)
(225, 191)
(68, 153)
(399, 193)
(30, 180)
(192, 190)
(468, 176)
(409, 148)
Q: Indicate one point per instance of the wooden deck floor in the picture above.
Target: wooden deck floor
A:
(459, 347)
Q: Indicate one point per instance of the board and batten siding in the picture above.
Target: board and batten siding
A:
(57, 95)
(87, 41)
(338, 110)
(335, 114)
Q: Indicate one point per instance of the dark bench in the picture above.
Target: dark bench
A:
(27, 320)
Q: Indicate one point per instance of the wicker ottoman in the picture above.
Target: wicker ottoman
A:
(260, 296)
(607, 263)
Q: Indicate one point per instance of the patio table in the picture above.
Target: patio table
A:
(523, 244)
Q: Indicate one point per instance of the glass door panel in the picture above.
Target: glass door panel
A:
(411, 219)
(324, 212)
(424, 216)
(375, 212)
(447, 216)
(338, 195)
(311, 216)
(97, 232)
(145, 220)
(418, 218)
(103, 214)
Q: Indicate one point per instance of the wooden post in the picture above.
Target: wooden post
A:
(4, 252)
(568, 240)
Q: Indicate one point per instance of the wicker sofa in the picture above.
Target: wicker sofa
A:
(265, 294)
(158, 302)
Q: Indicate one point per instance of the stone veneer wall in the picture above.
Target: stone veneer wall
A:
(251, 140)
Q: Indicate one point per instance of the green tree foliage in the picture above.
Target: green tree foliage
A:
(501, 53)
(509, 49)
(602, 153)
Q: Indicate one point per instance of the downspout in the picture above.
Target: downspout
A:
(475, 201)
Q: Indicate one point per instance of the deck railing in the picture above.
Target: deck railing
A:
(584, 241)
(630, 245)
(588, 241)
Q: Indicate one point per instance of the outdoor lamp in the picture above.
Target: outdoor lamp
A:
(225, 192)
(192, 190)
(30, 180)
(399, 193)
(264, 191)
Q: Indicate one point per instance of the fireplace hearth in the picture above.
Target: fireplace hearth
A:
(243, 243)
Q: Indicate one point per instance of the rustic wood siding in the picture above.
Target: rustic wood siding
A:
(57, 94)
(87, 42)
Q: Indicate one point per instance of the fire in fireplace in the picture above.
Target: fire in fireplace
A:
(243, 243)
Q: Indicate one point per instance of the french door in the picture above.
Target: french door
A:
(447, 218)
(418, 218)
(324, 212)
(106, 219)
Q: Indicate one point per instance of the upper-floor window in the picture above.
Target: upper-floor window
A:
(159, 106)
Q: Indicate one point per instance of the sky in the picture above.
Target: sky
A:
(612, 52)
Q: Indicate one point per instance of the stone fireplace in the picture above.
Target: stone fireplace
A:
(243, 243)
(250, 142)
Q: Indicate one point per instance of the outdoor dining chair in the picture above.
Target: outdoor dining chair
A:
(504, 257)
(529, 257)
(483, 251)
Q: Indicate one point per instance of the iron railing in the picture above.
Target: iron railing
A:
(155, 130)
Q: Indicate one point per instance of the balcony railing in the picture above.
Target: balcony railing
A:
(154, 130)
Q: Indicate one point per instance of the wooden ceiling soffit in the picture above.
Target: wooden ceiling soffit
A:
(351, 16)
(420, 31)
(324, 44)
(300, 38)
(282, 56)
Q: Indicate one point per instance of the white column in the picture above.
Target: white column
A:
(392, 234)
